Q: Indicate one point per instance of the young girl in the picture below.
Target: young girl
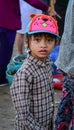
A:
(32, 90)
(10, 21)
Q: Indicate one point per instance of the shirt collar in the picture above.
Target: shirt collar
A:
(38, 62)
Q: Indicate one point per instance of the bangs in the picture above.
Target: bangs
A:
(47, 35)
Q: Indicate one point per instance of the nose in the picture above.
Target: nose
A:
(45, 19)
(43, 44)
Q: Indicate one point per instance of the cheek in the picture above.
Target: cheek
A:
(51, 46)
(32, 47)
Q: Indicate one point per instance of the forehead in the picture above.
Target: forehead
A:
(47, 35)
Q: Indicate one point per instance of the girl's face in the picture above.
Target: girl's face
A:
(41, 45)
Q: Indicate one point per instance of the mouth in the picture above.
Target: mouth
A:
(43, 51)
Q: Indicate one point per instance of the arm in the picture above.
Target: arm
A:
(20, 91)
(53, 2)
(42, 6)
(38, 4)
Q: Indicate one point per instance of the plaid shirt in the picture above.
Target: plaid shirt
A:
(33, 96)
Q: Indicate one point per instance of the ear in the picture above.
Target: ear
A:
(32, 15)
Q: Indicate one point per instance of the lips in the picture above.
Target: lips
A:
(43, 52)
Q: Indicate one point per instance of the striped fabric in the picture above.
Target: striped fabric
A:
(33, 95)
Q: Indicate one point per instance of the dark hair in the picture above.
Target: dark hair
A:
(28, 36)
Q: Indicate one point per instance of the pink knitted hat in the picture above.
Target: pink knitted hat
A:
(42, 23)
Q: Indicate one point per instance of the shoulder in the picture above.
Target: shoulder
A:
(26, 71)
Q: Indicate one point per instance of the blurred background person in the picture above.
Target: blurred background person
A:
(65, 63)
(25, 18)
(60, 7)
(46, 2)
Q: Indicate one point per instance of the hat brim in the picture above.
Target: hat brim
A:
(42, 31)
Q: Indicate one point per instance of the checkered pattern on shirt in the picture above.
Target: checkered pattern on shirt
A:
(32, 95)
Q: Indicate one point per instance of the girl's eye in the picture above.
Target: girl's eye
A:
(50, 40)
(37, 39)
